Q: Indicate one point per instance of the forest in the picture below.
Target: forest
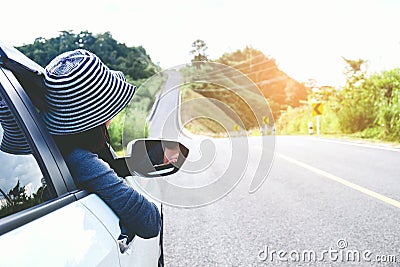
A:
(132, 61)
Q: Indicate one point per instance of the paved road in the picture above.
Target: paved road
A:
(324, 199)
(164, 120)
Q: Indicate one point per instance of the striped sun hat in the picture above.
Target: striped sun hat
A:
(82, 93)
(13, 141)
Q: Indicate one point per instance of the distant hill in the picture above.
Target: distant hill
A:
(239, 96)
(278, 88)
(132, 61)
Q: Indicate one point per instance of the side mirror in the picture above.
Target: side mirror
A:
(152, 158)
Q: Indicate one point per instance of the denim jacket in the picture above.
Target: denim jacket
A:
(138, 215)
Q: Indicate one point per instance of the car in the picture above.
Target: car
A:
(45, 220)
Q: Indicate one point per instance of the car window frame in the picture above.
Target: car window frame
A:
(47, 155)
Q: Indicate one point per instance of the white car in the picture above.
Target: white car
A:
(44, 219)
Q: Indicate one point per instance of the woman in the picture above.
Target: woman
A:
(82, 96)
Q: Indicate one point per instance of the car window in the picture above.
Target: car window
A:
(22, 183)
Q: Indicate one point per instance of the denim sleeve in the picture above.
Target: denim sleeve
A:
(138, 215)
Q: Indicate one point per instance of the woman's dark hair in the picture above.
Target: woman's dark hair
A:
(93, 140)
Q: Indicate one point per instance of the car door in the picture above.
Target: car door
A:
(143, 252)
(69, 218)
(44, 220)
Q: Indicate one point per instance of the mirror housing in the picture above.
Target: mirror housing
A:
(151, 158)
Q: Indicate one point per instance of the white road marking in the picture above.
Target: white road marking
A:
(353, 143)
(342, 181)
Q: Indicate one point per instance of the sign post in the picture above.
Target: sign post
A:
(236, 128)
(318, 125)
(317, 111)
(265, 122)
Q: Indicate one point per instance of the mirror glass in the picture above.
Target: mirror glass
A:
(155, 158)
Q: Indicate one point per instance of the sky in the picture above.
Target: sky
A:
(307, 38)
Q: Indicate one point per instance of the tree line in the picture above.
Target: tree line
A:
(367, 106)
(132, 61)
(17, 199)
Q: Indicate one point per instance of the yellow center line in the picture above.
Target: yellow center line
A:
(342, 181)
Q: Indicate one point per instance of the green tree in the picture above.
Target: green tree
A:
(17, 199)
(354, 104)
(384, 93)
(199, 52)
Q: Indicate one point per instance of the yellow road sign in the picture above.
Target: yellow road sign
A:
(317, 109)
(265, 120)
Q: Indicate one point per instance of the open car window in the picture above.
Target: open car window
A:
(22, 183)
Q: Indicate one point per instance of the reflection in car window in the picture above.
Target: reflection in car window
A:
(22, 184)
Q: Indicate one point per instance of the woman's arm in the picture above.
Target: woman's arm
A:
(138, 215)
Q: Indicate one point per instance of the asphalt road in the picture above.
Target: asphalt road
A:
(325, 202)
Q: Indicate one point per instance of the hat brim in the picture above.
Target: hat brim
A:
(13, 140)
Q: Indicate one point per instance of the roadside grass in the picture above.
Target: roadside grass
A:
(295, 122)
(131, 123)
(202, 116)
